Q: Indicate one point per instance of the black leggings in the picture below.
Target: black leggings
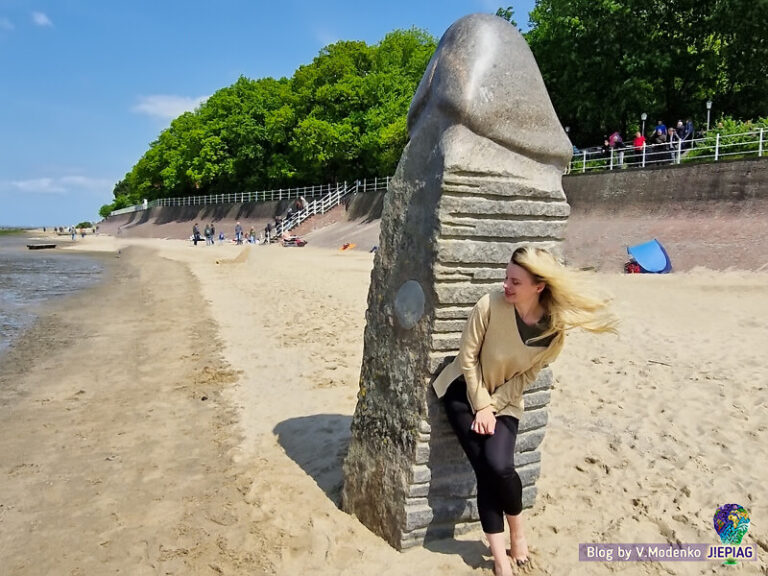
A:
(499, 490)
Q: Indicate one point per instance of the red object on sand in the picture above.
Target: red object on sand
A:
(294, 241)
(632, 268)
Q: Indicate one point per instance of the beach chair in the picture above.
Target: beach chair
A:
(651, 257)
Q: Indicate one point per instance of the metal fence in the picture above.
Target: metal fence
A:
(322, 205)
(366, 185)
(711, 148)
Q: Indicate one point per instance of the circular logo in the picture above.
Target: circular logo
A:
(731, 523)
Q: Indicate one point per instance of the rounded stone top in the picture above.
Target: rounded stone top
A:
(483, 75)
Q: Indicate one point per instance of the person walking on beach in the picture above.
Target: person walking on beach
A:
(509, 337)
(238, 233)
(195, 234)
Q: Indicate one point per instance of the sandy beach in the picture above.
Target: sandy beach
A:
(190, 415)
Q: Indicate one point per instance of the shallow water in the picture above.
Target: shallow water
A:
(31, 277)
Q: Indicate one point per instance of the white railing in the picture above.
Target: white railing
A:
(745, 145)
(264, 196)
(711, 148)
(322, 205)
(127, 210)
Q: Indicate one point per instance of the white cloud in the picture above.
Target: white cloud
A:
(39, 185)
(167, 106)
(59, 185)
(326, 37)
(5, 24)
(41, 19)
(86, 183)
(492, 5)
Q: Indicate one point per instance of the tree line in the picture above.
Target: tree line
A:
(343, 116)
(605, 62)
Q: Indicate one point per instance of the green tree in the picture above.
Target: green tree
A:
(341, 117)
(508, 14)
(122, 188)
(597, 75)
(741, 33)
(606, 61)
(399, 63)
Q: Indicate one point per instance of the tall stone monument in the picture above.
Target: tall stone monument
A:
(480, 176)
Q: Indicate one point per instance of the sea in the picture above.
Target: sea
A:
(29, 278)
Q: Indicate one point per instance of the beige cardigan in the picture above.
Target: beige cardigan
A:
(497, 365)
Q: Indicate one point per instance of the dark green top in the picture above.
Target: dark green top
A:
(528, 332)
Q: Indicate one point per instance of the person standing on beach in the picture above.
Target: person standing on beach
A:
(195, 234)
(238, 233)
(509, 337)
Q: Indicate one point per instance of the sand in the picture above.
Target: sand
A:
(191, 414)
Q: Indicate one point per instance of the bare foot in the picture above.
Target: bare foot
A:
(518, 551)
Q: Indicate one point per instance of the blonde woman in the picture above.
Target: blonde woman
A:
(509, 337)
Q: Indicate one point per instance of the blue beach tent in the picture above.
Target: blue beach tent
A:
(651, 257)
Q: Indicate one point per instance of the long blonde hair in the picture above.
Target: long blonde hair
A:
(570, 297)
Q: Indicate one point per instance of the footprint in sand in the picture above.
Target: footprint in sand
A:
(329, 383)
(669, 534)
(596, 461)
(23, 469)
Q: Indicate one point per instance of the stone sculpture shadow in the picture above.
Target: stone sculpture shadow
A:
(318, 444)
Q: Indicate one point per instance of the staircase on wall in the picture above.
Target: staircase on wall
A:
(328, 202)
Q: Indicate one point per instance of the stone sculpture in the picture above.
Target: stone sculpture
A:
(480, 176)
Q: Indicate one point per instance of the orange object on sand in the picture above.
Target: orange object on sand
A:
(347, 246)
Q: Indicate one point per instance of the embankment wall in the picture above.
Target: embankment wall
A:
(710, 215)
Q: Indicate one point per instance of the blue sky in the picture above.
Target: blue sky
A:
(86, 85)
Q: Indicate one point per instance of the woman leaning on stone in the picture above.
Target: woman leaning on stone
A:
(509, 337)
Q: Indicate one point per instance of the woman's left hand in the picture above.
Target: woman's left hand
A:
(484, 422)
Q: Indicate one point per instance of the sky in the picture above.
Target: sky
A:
(87, 85)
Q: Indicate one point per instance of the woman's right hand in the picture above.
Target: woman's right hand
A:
(484, 422)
